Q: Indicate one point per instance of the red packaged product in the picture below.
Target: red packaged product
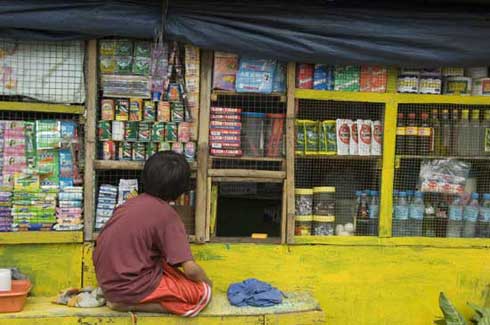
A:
(225, 145)
(373, 79)
(222, 132)
(226, 125)
(225, 138)
(225, 110)
(304, 76)
(226, 152)
(226, 117)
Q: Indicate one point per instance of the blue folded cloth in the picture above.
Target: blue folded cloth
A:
(255, 293)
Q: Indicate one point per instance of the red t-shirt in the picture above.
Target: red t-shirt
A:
(128, 256)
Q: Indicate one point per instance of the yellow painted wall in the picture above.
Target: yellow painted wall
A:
(357, 284)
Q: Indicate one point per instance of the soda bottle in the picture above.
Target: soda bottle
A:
(411, 135)
(373, 213)
(416, 215)
(475, 138)
(363, 215)
(435, 149)
(400, 216)
(446, 135)
(401, 131)
(485, 134)
(484, 220)
(455, 220)
(424, 135)
(470, 216)
(429, 225)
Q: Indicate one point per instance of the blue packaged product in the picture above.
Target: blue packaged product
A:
(104, 206)
(323, 77)
(254, 81)
(279, 80)
(68, 131)
(66, 182)
(263, 65)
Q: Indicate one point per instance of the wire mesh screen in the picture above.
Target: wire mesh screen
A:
(442, 166)
(338, 167)
(247, 131)
(42, 71)
(114, 187)
(41, 160)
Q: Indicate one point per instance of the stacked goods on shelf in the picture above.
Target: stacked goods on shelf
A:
(5, 211)
(106, 203)
(69, 212)
(462, 134)
(225, 132)
(192, 79)
(341, 78)
(246, 75)
(339, 137)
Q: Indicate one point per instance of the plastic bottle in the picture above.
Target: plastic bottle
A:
(416, 214)
(424, 135)
(436, 143)
(470, 216)
(373, 213)
(401, 215)
(455, 218)
(485, 134)
(401, 130)
(429, 225)
(474, 143)
(464, 135)
(411, 135)
(445, 134)
(484, 220)
(442, 212)
(410, 196)
(454, 132)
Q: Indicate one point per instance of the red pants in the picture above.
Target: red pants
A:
(179, 295)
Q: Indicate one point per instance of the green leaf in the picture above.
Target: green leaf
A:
(451, 315)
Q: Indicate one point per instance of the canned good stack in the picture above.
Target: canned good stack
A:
(225, 132)
(135, 129)
(69, 212)
(315, 211)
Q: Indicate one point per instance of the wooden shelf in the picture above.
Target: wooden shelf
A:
(41, 237)
(443, 157)
(272, 159)
(441, 99)
(41, 107)
(342, 96)
(124, 165)
(337, 157)
(216, 93)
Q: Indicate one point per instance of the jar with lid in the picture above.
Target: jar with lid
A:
(302, 225)
(324, 201)
(303, 201)
(323, 225)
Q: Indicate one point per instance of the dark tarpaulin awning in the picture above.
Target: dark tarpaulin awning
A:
(438, 33)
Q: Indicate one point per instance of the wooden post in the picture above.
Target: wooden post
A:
(203, 148)
(89, 173)
(290, 145)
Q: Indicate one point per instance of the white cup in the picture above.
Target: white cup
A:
(5, 280)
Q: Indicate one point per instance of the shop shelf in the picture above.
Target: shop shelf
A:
(441, 99)
(41, 237)
(124, 165)
(342, 95)
(41, 107)
(216, 93)
(274, 159)
(415, 157)
(336, 157)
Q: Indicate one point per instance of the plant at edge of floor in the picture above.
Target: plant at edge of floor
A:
(453, 317)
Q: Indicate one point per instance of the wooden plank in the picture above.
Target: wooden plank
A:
(202, 145)
(208, 208)
(284, 213)
(290, 152)
(246, 173)
(440, 99)
(41, 107)
(40, 237)
(125, 165)
(246, 180)
(274, 159)
(337, 157)
(90, 136)
(341, 96)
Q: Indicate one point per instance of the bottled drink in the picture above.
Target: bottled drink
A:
(401, 215)
(455, 220)
(446, 135)
(373, 213)
(470, 216)
(484, 220)
(362, 215)
(464, 135)
(411, 135)
(436, 134)
(475, 138)
(442, 212)
(416, 215)
(485, 134)
(454, 132)
(424, 135)
(400, 134)
(409, 196)
(429, 225)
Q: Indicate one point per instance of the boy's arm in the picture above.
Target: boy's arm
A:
(194, 272)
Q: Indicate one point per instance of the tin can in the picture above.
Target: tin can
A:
(163, 114)
(151, 149)
(131, 131)
(178, 147)
(139, 151)
(104, 130)
(144, 132)
(184, 132)
(118, 130)
(107, 109)
(164, 146)
(108, 150)
(171, 132)
(122, 109)
(149, 111)
(178, 112)
(135, 109)
(125, 151)
(190, 151)
(156, 96)
(173, 93)
(158, 132)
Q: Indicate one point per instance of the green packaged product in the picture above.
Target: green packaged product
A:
(149, 111)
(131, 131)
(48, 134)
(141, 65)
(151, 149)
(178, 112)
(125, 151)
(142, 48)
(124, 64)
(104, 130)
(139, 151)
(144, 132)
(123, 47)
(49, 167)
(158, 132)
(171, 132)
(300, 138)
(347, 78)
(327, 138)
(311, 137)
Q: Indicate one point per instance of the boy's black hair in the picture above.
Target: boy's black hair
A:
(166, 175)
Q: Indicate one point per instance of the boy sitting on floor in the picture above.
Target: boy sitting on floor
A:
(139, 251)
